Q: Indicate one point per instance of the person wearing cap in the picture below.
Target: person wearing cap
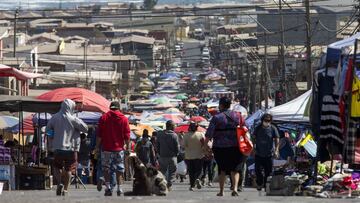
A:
(222, 130)
(194, 154)
(113, 136)
(168, 147)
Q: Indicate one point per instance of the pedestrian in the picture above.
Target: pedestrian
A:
(264, 137)
(181, 155)
(194, 154)
(153, 142)
(209, 165)
(145, 150)
(65, 130)
(84, 158)
(113, 136)
(168, 148)
(222, 129)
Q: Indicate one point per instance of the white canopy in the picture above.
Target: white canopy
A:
(292, 111)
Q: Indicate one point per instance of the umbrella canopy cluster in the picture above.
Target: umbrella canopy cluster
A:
(8, 121)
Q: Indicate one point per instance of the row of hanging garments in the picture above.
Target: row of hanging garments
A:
(329, 118)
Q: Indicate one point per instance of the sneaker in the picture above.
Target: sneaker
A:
(220, 194)
(100, 183)
(203, 182)
(191, 189)
(120, 192)
(65, 193)
(210, 184)
(169, 187)
(59, 189)
(234, 193)
(108, 192)
(198, 184)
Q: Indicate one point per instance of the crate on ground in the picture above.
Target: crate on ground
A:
(5, 172)
(32, 182)
(31, 178)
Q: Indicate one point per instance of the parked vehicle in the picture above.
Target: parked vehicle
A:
(205, 51)
(199, 34)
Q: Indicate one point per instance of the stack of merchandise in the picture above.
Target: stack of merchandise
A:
(5, 169)
(5, 155)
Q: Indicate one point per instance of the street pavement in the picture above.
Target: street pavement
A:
(179, 194)
(192, 52)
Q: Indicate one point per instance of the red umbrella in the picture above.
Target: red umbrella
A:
(91, 101)
(185, 129)
(194, 99)
(172, 117)
(197, 119)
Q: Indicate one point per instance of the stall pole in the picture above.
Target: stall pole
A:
(348, 102)
(19, 149)
(39, 137)
(22, 135)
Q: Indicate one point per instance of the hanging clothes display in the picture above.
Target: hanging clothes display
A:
(331, 132)
(323, 85)
(355, 97)
(325, 118)
(331, 126)
(352, 152)
(335, 115)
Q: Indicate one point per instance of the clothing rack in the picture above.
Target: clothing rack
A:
(348, 102)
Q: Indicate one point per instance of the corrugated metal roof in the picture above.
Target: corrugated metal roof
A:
(134, 38)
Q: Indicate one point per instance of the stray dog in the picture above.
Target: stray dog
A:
(147, 181)
(158, 182)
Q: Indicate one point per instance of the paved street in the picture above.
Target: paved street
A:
(179, 194)
(192, 52)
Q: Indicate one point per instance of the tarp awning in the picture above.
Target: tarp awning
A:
(28, 104)
(334, 50)
(6, 71)
(292, 111)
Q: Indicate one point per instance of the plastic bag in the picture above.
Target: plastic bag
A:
(245, 144)
(181, 168)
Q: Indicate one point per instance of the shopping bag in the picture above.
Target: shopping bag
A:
(181, 168)
(245, 144)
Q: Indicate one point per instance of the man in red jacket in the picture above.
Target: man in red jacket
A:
(113, 135)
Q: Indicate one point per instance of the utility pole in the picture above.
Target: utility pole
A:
(15, 19)
(308, 46)
(283, 86)
(85, 64)
(265, 72)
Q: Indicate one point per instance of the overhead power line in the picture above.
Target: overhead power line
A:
(182, 9)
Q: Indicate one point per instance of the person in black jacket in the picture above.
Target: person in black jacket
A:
(264, 137)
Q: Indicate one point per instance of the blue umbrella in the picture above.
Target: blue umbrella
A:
(8, 121)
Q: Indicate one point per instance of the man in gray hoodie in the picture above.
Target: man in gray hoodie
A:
(168, 148)
(65, 129)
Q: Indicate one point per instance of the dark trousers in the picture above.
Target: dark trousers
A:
(194, 169)
(262, 163)
(208, 169)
